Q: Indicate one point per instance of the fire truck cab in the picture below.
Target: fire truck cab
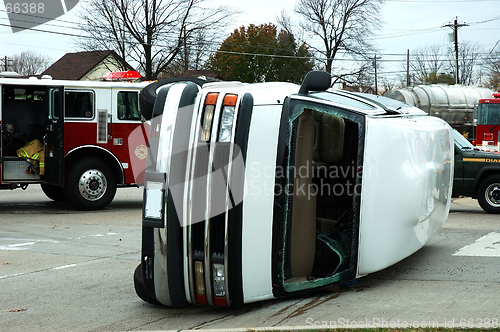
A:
(488, 122)
(79, 140)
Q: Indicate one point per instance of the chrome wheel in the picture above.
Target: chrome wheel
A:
(492, 194)
(92, 185)
(488, 194)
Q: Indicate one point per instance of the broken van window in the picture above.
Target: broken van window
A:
(324, 186)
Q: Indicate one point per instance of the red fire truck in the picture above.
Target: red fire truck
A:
(79, 140)
(488, 121)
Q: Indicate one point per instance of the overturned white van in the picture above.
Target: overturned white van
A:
(258, 191)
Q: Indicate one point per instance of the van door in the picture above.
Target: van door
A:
(53, 139)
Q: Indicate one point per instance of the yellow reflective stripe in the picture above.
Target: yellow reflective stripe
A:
(35, 156)
(475, 159)
(22, 153)
(482, 160)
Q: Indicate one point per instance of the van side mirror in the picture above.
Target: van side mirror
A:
(315, 81)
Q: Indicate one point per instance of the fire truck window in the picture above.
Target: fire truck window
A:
(19, 94)
(488, 114)
(79, 104)
(127, 102)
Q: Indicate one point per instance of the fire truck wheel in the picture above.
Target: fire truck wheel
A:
(139, 287)
(55, 193)
(147, 95)
(488, 194)
(90, 184)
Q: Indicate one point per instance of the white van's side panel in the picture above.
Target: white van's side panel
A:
(258, 203)
(407, 172)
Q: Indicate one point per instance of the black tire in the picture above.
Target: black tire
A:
(140, 290)
(90, 184)
(55, 193)
(147, 95)
(488, 194)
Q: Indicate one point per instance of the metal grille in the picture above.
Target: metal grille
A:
(102, 126)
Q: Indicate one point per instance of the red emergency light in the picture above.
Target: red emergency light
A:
(488, 136)
(122, 76)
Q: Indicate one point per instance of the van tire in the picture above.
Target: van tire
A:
(90, 184)
(55, 193)
(147, 95)
(488, 194)
(140, 290)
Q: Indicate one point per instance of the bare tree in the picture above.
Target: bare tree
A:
(103, 29)
(428, 60)
(468, 61)
(340, 25)
(436, 64)
(29, 63)
(491, 69)
(152, 33)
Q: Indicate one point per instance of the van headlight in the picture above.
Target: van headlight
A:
(226, 124)
(227, 117)
(208, 116)
(219, 280)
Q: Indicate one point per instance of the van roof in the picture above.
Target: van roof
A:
(274, 93)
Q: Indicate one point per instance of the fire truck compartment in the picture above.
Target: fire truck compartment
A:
(17, 169)
(23, 117)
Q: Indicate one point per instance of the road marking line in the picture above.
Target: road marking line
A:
(11, 275)
(63, 267)
(26, 273)
(20, 239)
(16, 246)
(486, 246)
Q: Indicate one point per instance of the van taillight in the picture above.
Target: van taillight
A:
(488, 136)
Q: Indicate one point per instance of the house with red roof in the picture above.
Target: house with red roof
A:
(87, 66)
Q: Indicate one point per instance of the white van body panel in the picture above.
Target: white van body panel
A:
(258, 203)
(394, 226)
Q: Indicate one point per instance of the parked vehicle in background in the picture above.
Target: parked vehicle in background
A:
(452, 103)
(488, 122)
(79, 139)
(259, 191)
(477, 174)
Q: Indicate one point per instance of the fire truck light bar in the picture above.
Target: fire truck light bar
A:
(122, 76)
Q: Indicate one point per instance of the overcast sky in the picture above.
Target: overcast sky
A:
(406, 24)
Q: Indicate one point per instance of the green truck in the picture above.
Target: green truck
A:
(477, 174)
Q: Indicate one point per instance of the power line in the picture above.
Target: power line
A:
(444, 1)
(45, 31)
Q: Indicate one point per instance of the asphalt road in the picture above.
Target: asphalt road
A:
(64, 270)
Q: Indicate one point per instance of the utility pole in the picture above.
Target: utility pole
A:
(6, 61)
(375, 66)
(455, 26)
(408, 67)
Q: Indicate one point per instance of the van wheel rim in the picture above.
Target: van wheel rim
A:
(92, 185)
(492, 194)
